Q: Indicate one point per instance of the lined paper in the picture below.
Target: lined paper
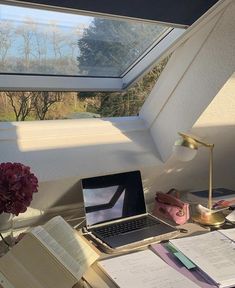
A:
(143, 269)
(214, 253)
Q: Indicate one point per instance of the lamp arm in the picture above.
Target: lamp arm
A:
(204, 144)
(188, 137)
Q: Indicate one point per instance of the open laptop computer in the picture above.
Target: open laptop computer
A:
(116, 214)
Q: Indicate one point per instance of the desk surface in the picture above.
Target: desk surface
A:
(104, 282)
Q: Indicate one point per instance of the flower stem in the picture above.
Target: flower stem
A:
(8, 245)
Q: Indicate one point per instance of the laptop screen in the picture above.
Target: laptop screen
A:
(112, 197)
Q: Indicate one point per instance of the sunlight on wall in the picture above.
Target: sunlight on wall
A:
(70, 142)
(46, 135)
(221, 110)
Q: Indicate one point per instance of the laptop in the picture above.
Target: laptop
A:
(115, 211)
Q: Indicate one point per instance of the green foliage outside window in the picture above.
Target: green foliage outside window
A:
(109, 47)
(127, 103)
(103, 45)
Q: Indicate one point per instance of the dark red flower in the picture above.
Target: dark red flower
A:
(17, 185)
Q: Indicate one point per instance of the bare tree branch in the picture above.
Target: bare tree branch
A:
(21, 102)
(44, 100)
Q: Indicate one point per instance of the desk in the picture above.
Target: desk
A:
(192, 228)
(102, 281)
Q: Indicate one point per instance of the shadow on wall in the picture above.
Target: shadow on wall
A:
(66, 166)
(193, 175)
(60, 169)
(55, 193)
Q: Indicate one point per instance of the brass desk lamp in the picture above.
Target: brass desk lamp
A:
(186, 149)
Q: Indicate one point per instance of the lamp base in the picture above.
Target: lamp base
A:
(209, 219)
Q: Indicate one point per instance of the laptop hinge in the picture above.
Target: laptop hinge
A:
(116, 221)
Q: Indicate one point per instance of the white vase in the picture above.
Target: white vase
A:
(6, 230)
(5, 221)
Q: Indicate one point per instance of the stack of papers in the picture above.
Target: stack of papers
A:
(213, 253)
(206, 261)
(231, 217)
(182, 264)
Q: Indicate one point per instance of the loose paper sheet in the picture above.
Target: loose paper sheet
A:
(231, 217)
(230, 233)
(213, 252)
(143, 269)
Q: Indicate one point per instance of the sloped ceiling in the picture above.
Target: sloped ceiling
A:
(181, 12)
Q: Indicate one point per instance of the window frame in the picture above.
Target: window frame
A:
(34, 82)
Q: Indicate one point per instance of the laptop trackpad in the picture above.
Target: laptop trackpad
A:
(138, 235)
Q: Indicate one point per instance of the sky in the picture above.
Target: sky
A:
(50, 32)
(8, 12)
(68, 23)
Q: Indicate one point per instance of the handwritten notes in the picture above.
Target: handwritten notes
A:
(213, 252)
(143, 269)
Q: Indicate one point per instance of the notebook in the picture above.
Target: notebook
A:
(115, 211)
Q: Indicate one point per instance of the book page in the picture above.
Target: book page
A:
(67, 245)
(29, 265)
(57, 250)
(213, 253)
(143, 269)
(71, 241)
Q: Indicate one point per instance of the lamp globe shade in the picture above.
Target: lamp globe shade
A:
(184, 153)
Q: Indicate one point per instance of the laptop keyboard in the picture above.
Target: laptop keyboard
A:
(124, 227)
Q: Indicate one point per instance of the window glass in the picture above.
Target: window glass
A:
(32, 105)
(34, 41)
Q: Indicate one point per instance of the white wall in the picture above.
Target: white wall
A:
(195, 74)
(62, 152)
(195, 94)
(215, 125)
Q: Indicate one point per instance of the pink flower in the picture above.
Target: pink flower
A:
(17, 185)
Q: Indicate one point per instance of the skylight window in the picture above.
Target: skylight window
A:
(38, 42)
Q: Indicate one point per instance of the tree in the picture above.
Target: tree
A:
(125, 103)
(6, 34)
(42, 101)
(41, 44)
(109, 47)
(57, 39)
(26, 32)
(21, 102)
(37, 105)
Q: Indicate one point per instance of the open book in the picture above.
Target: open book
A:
(213, 253)
(49, 256)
